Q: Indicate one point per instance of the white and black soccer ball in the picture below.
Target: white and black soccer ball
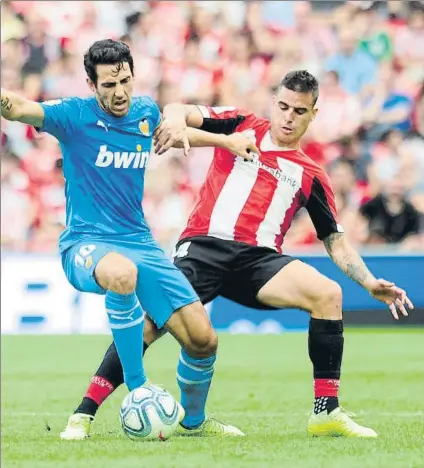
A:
(150, 413)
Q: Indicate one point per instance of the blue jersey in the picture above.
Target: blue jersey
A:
(104, 161)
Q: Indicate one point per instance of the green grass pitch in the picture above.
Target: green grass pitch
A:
(262, 384)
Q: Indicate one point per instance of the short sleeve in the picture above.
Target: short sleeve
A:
(60, 117)
(225, 120)
(156, 114)
(321, 207)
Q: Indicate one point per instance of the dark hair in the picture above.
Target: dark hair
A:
(107, 52)
(334, 74)
(301, 81)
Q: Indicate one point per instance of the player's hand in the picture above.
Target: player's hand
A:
(171, 133)
(242, 145)
(391, 295)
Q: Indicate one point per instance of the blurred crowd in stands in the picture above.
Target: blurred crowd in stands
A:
(368, 56)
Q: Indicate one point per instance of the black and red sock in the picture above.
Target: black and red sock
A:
(326, 352)
(106, 380)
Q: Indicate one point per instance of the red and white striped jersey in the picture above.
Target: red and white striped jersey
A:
(255, 201)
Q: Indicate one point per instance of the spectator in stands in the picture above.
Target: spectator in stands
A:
(195, 81)
(66, 77)
(409, 52)
(12, 54)
(347, 196)
(374, 37)
(16, 210)
(391, 217)
(316, 40)
(12, 26)
(386, 108)
(211, 38)
(265, 34)
(419, 112)
(258, 101)
(391, 157)
(242, 72)
(339, 112)
(354, 152)
(355, 67)
(289, 56)
(40, 48)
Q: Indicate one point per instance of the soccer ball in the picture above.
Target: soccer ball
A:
(150, 413)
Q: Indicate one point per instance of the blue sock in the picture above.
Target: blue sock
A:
(126, 321)
(194, 379)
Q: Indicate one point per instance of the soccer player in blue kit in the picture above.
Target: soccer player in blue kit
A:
(107, 247)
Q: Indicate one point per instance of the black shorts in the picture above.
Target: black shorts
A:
(234, 270)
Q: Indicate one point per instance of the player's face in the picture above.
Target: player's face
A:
(114, 88)
(291, 114)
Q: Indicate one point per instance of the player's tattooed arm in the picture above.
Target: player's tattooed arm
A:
(6, 105)
(15, 107)
(348, 259)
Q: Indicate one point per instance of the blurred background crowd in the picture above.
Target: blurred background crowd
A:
(368, 56)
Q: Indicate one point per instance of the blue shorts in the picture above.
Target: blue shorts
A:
(161, 287)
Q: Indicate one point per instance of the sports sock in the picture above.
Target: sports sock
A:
(108, 377)
(325, 351)
(194, 379)
(126, 319)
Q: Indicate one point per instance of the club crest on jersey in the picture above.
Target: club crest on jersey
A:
(122, 159)
(144, 127)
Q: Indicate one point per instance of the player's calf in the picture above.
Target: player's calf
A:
(191, 326)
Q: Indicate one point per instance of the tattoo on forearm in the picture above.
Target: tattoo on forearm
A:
(356, 271)
(6, 104)
(350, 262)
(331, 239)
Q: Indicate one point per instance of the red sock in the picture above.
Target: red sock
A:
(326, 388)
(99, 389)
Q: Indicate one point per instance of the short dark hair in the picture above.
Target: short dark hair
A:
(301, 81)
(334, 74)
(106, 52)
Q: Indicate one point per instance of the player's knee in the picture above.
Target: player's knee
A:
(329, 301)
(123, 278)
(203, 344)
(125, 281)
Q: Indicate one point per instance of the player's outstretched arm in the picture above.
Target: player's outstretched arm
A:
(172, 130)
(240, 144)
(188, 113)
(15, 107)
(345, 256)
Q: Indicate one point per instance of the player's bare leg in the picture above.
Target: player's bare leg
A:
(191, 327)
(298, 285)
